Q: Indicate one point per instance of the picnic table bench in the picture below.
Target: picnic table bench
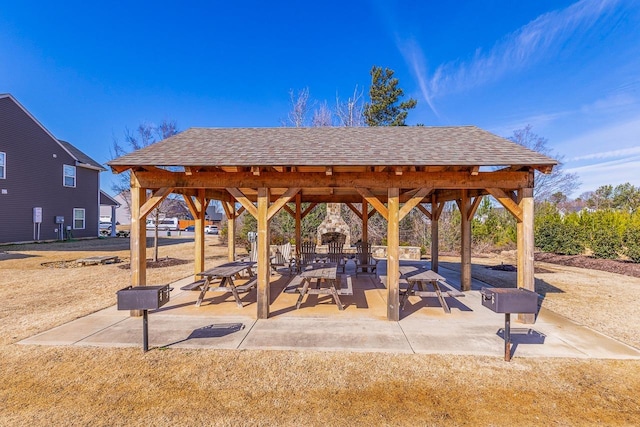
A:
(325, 273)
(415, 276)
(227, 272)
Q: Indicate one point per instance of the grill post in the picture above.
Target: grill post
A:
(507, 337)
(145, 331)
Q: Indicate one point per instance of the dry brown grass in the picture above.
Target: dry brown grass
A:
(101, 386)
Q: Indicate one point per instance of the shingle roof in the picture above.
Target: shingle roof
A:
(334, 146)
(80, 156)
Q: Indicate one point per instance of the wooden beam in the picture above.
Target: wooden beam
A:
(298, 223)
(474, 207)
(155, 200)
(373, 200)
(424, 210)
(506, 201)
(282, 201)
(138, 240)
(393, 256)
(201, 204)
(244, 201)
(263, 294)
(354, 209)
(308, 210)
(365, 221)
(442, 180)
(465, 242)
(290, 211)
(414, 201)
(525, 253)
(230, 212)
(435, 216)
(192, 207)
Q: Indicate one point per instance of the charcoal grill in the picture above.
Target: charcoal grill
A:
(507, 301)
(143, 298)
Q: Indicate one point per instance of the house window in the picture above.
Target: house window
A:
(78, 219)
(3, 165)
(69, 176)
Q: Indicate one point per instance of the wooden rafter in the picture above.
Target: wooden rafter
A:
(424, 210)
(474, 207)
(373, 200)
(308, 210)
(414, 201)
(506, 201)
(278, 204)
(244, 201)
(154, 200)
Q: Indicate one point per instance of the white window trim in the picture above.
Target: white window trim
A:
(64, 176)
(4, 165)
(84, 218)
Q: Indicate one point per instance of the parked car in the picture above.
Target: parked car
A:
(105, 228)
(211, 229)
(190, 228)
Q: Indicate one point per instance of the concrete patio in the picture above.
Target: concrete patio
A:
(424, 328)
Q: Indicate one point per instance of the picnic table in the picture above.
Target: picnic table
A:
(326, 273)
(415, 276)
(227, 272)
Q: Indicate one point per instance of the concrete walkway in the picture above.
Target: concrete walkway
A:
(470, 329)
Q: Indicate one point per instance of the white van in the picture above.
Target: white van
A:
(163, 224)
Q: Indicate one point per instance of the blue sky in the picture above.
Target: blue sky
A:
(570, 69)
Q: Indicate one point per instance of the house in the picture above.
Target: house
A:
(49, 190)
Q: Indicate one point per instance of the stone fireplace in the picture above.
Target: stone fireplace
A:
(333, 228)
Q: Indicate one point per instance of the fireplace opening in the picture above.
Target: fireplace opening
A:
(332, 237)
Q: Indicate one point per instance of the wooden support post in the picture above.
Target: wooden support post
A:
(230, 211)
(138, 239)
(525, 260)
(298, 223)
(263, 296)
(435, 217)
(201, 208)
(465, 241)
(393, 255)
(365, 221)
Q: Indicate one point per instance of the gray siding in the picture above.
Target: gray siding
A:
(35, 179)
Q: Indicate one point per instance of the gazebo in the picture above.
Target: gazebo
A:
(390, 169)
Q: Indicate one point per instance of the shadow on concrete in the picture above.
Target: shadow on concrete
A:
(522, 336)
(216, 330)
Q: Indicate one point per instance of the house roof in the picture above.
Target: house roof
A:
(334, 146)
(107, 200)
(83, 159)
(80, 156)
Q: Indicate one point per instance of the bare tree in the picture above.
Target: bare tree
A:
(546, 184)
(350, 112)
(299, 107)
(144, 135)
(322, 116)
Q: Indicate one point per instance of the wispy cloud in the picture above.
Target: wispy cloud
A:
(633, 151)
(608, 173)
(416, 60)
(520, 49)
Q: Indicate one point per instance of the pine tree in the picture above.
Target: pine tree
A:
(385, 108)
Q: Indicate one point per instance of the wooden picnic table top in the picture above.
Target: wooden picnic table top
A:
(324, 270)
(227, 269)
(417, 274)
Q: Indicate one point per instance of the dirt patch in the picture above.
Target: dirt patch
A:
(163, 262)
(627, 268)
